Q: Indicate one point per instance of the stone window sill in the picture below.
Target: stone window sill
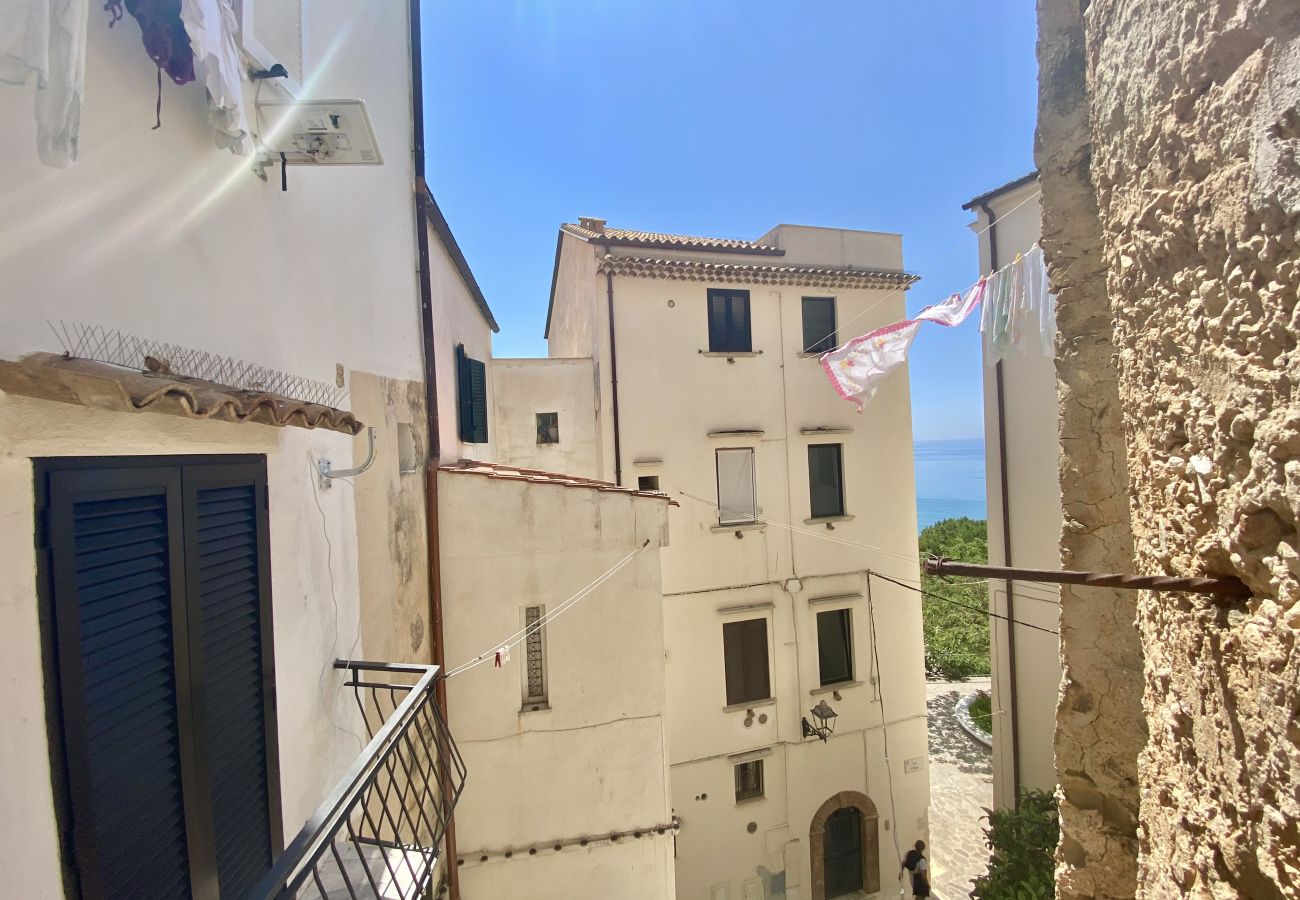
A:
(837, 686)
(542, 706)
(818, 520)
(745, 801)
(730, 354)
(740, 526)
(752, 704)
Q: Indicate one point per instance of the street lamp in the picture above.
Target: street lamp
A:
(825, 718)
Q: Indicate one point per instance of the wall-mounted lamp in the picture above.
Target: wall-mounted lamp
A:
(824, 716)
(328, 472)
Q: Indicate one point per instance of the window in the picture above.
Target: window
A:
(548, 428)
(471, 397)
(744, 646)
(161, 637)
(737, 497)
(647, 483)
(534, 656)
(835, 646)
(825, 480)
(749, 780)
(818, 324)
(729, 321)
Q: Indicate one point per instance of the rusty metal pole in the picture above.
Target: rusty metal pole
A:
(1226, 588)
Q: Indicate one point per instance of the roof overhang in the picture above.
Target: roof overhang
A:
(746, 273)
(438, 222)
(985, 197)
(84, 382)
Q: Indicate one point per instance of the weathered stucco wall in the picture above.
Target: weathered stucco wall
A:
(1190, 118)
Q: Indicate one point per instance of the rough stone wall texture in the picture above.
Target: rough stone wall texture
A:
(1100, 724)
(1193, 134)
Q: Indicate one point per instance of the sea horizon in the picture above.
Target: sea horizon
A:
(949, 480)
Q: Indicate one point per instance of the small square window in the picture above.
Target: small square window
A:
(548, 428)
(647, 483)
(749, 780)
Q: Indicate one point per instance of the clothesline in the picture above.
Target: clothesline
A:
(1016, 297)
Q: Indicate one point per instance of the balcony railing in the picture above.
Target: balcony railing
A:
(379, 833)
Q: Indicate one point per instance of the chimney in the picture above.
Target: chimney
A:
(596, 225)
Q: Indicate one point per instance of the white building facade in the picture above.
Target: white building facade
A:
(1022, 454)
(706, 386)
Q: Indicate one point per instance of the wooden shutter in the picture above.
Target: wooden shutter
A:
(729, 321)
(818, 324)
(121, 624)
(228, 579)
(464, 396)
(478, 401)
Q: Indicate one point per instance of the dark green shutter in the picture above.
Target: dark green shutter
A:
(478, 400)
(818, 324)
(464, 396)
(744, 646)
(226, 570)
(729, 329)
(120, 622)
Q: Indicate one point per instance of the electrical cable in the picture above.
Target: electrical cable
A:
(884, 718)
(942, 599)
(524, 633)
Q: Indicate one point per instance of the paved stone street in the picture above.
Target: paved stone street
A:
(961, 787)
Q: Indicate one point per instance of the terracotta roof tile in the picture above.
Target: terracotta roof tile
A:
(622, 237)
(699, 270)
(537, 476)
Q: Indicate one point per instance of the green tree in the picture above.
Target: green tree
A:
(956, 638)
(1022, 843)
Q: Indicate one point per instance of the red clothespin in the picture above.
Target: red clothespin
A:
(502, 655)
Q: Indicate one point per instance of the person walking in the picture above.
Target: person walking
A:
(919, 867)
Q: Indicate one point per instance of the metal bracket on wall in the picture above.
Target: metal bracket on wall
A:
(328, 472)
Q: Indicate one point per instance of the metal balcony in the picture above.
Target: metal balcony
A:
(379, 833)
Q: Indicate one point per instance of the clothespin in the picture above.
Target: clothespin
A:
(502, 655)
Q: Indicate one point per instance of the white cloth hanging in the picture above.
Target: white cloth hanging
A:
(47, 38)
(212, 27)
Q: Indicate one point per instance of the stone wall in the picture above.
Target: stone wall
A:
(1188, 125)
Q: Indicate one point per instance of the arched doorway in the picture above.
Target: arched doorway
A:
(844, 845)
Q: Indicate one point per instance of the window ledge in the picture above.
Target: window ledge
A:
(745, 801)
(730, 354)
(818, 430)
(542, 706)
(752, 704)
(837, 686)
(740, 526)
(817, 520)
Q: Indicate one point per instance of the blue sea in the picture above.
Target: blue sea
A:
(949, 481)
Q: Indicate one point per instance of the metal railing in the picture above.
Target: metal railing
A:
(379, 833)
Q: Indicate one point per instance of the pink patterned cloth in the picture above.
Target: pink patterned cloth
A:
(857, 367)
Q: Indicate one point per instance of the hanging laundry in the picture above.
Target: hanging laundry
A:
(47, 38)
(1019, 303)
(502, 655)
(212, 27)
(856, 368)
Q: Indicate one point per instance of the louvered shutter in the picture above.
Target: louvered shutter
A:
(226, 571)
(120, 622)
(464, 396)
(478, 400)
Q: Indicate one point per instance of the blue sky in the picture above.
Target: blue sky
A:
(724, 118)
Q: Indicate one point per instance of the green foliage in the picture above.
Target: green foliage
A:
(956, 639)
(1022, 842)
(981, 712)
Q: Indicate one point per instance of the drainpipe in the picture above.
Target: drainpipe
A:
(613, 372)
(1006, 537)
(433, 548)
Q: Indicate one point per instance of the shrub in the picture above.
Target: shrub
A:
(981, 712)
(956, 639)
(1022, 843)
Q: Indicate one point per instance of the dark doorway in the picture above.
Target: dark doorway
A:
(843, 852)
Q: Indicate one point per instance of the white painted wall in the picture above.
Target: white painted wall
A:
(319, 730)
(162, 235)
(1034, 494)
(593, 761)
(457, 320)
(671, 396)
(522, 388)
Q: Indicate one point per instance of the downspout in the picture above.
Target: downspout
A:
(613, 371)
(433, 549)
(1006, 536)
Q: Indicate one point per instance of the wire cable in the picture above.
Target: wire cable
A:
(884, 729)
(942, 599)
(524, 633)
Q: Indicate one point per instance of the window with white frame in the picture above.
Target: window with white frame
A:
(534, 656)
(737, 494)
